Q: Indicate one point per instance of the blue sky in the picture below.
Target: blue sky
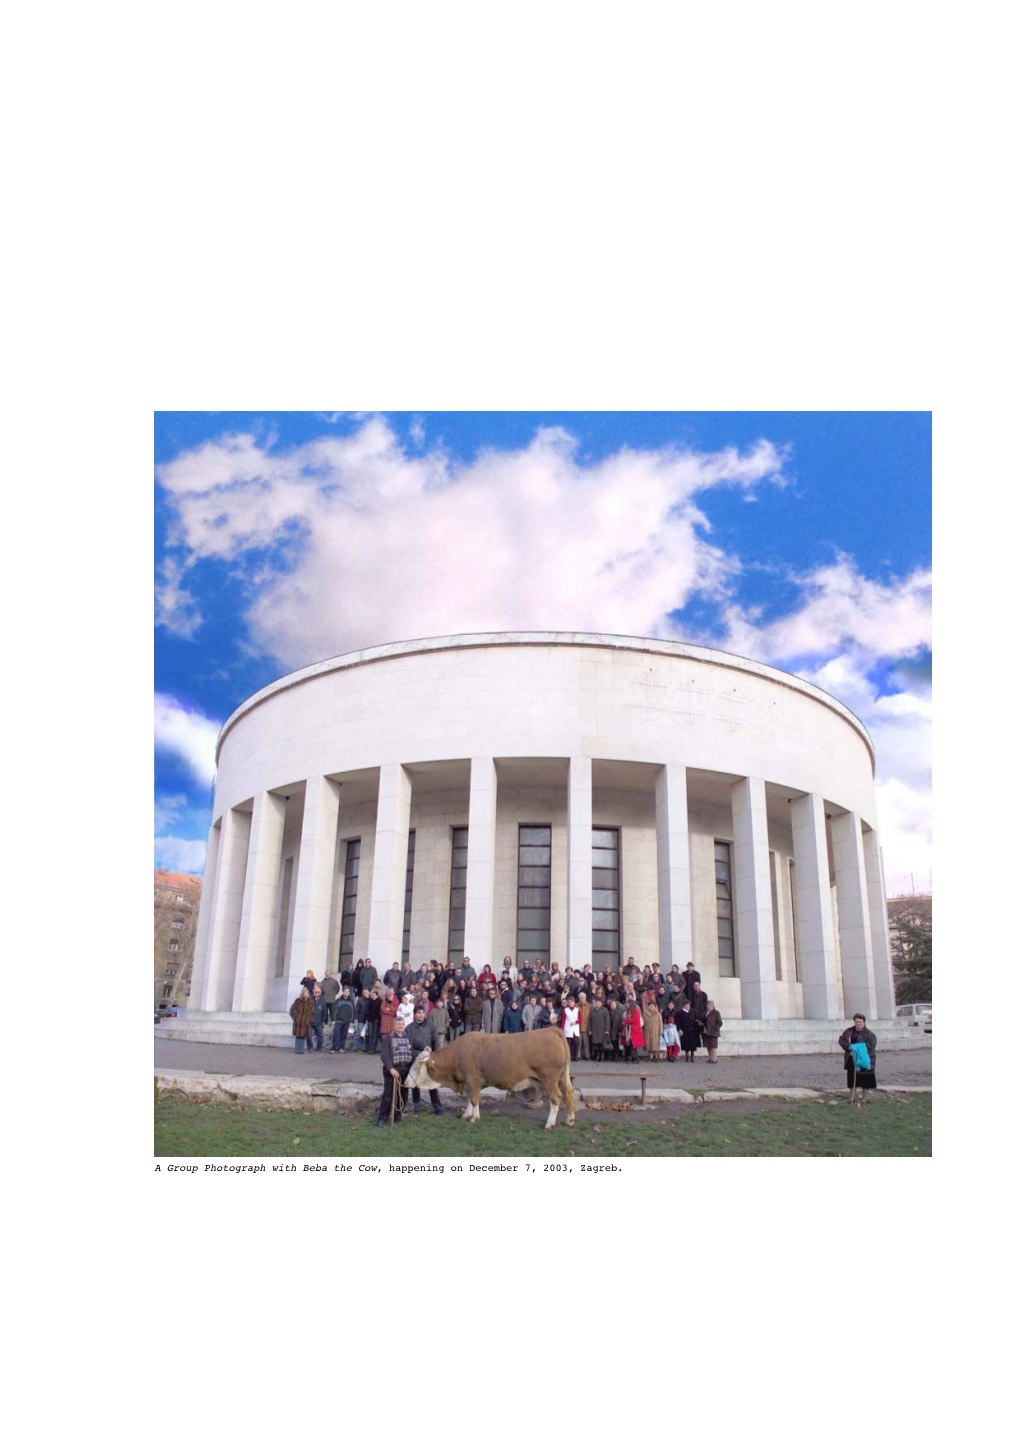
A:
(802, 539)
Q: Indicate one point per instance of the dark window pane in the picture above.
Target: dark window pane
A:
(605, 940)
(605, 920)
(726, 946)
(535, 835)
(601, 857)
(457, 916)
(725, 926)
(535, 855)
(533, 916)
(605, 876)
(534, 876)
(606, 838)
(722, 851)
(458, 896)
(534, 938)
(350, 904)
(533, 896)
(607, 899)
(456, 939)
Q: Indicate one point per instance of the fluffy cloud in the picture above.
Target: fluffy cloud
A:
(175, 854)
(371, 544)
(168, 810)
(187, 734)
(840, 608)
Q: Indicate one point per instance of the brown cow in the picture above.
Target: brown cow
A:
(516, 1062)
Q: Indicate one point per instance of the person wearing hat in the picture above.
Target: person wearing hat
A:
(863, 1078)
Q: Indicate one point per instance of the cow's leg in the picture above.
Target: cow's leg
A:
(568, 1094)
(552, 1088)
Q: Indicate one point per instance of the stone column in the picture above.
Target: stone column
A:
(885, 990)
(258, 907)
(676, 945)
(752, 900)
(481, 868)
(579, 863)
(225, 922)
(854, 921)
(200, 958)
(389, 868)
(313, 886)
(815, 939)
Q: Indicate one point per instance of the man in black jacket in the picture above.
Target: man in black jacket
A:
(344, 1017)
(422, 1034)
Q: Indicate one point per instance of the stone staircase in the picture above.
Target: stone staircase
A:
(740, 1037)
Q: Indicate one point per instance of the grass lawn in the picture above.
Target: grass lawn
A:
(890, 1126)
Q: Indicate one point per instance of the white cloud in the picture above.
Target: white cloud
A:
(188, 734)
(176, 608)
(175, 854)
(380, 545)
(904, 829)
(840, 608)
(168, 810)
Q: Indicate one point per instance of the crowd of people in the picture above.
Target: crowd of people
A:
(627, 1015)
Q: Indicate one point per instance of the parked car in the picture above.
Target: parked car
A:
(918, 1013)
(163, 1010)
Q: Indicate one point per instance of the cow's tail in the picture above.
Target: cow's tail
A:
(566, 1088)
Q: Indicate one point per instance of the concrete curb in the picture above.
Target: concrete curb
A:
(295, 1094)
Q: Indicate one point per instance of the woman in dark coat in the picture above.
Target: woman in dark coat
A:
(690, 1032)
(453, 1006)
(859, 1032)
(473, 1011)
(711, 1030)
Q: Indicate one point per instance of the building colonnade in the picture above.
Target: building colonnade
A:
(265, 919)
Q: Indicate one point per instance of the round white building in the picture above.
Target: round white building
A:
(560, 795)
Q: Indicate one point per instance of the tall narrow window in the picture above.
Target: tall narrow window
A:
(458, 896)
(281, 934)
(406, 951)
(724, 909)
(773, 877)
(350, 903)
(605, 899)
(793, 920)
(534, 873)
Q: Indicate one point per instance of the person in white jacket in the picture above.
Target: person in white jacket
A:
(508, 965)
(406, 1009)
(572, 1025)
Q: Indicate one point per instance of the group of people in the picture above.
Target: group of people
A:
(625, 1015)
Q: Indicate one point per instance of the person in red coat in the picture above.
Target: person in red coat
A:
(634, 1031)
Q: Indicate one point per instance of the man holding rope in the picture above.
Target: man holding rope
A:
(397, 1056)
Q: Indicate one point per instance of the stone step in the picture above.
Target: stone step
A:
(740, 1037)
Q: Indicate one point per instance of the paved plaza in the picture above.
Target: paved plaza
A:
(907, 1068)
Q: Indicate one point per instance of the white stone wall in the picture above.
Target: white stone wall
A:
(717, 714)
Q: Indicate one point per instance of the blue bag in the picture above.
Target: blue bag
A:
(859, 1052)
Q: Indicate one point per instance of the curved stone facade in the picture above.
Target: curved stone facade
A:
(731, 806)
